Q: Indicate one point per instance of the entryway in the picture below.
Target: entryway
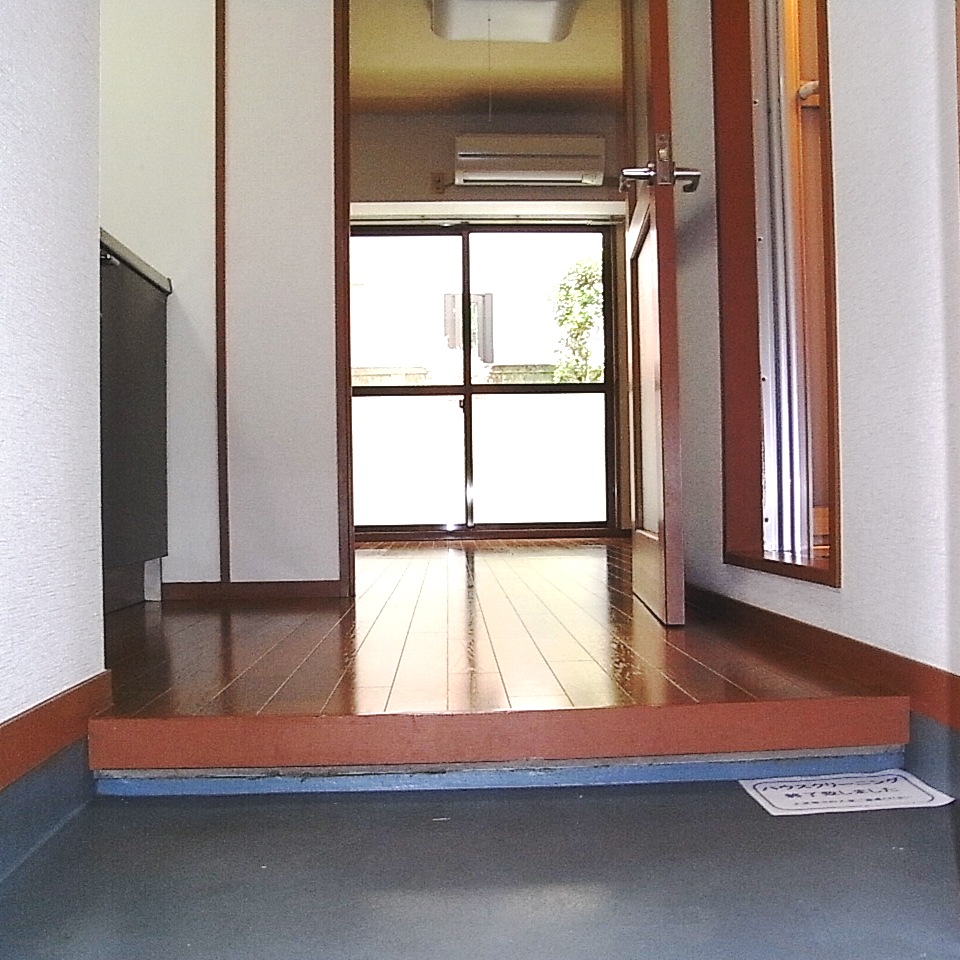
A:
(467, 652)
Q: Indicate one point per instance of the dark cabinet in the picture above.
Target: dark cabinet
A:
(133, 407)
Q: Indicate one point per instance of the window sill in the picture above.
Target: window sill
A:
(813, 570)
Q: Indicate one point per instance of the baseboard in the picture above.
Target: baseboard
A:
(38, 804)
(933, 692)
(31, 738)
(252, 591)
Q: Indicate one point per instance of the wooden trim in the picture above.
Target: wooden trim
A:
(253, 590)
(742, 423)
(429, 534)
(671, 532)
(629, 126)
(31, 738)
(817, 571)
(341, 214)
(830, 291)
(206, 742)
(220, 271)
(932, 691)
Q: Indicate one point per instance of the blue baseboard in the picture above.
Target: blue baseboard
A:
(238, 783)
(37, 805)
(933, 754)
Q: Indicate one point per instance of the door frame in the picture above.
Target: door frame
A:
(341, 295)
(347, 532)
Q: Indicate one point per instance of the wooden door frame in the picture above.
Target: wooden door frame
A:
(341, 216)
(344, 393)
(347, 535)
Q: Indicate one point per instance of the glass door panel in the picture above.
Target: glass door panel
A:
(404, 320)
(537, 307)
(539, 458)
(408, 460)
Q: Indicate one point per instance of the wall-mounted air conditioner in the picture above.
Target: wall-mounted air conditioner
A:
(534, 160)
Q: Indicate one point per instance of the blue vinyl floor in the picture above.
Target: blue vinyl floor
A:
(655, 872)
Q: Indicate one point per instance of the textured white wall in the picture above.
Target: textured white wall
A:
(893, 83)
(952, 370)
(157, 197)
(281, 398)
(51, 623)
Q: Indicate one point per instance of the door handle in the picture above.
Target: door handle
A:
(690, 178)
(648, 174)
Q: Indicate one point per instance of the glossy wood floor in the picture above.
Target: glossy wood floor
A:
(524, 629)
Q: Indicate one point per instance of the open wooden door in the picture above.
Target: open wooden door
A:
(652, 308)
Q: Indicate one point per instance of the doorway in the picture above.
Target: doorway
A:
(480, 416)
(482, 392)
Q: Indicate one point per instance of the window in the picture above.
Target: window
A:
(778, 342)
(513, 431)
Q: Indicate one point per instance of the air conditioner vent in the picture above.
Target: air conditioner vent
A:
(521, 159)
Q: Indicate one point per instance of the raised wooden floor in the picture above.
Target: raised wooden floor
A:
(495, 651)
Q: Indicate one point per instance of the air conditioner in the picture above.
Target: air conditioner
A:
(535, 160)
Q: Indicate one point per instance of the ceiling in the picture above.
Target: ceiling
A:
(398, 64)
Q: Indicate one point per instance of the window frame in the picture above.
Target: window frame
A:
(467, 389)
(740, 312)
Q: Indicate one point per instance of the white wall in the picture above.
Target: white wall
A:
(51, 623)
(893, 81)
(281, 373)
(157, 197)
(952, 371)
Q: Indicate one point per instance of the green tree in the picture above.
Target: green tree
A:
(578, 311)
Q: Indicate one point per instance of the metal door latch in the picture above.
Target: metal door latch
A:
(663, 171)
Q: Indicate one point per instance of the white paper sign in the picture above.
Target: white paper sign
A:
(886, 790)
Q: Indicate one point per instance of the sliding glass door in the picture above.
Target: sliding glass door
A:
(481, 395)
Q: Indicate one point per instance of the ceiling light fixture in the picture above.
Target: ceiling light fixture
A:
(518, 21)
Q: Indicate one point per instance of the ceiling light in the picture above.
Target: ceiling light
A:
(523, 21)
